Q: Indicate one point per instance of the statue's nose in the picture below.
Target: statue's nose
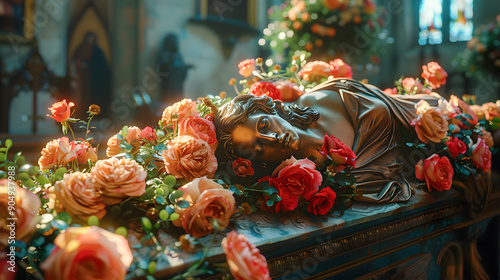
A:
(271, 137)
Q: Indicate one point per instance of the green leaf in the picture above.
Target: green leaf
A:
(150, 193)
(182, 204)
(170, 180)
(63, 216)
(8, 143)
(161, 200)
(160, 191)
(124, 131)
(37, 241)
(61, 171)
(160, 147)
(115, 210)
(163, 215)
(30, 169)
(59, 224)
(3, 157)
(121, 231)
(175, 195)
(93, 221)
(275, 197)
(119, 136)
(269, 203)
(146, 224)
(16, 155)
(125, 146)
(235, 190)
(152, 268)
(269, 190)
(28, 183)
(174, 216)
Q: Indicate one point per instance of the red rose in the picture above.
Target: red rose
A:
(61, 111)
(481, 155)
(320, 203)
(289, 91)
(337, 151)
(391, 91)
(436, 172)
(247, 66)
(301, 177)
(289, 200)
(265, 88)
(148, 134)
(456, 146)
(434, 75)
(243, 167)
(340, 69)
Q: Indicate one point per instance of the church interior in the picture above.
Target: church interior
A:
(137, 59)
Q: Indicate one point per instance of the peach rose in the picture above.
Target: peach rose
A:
(490, 111)
(315, 71)
(88, 253)
(478, 111)
(247, 66)
(488, 138)
(58, 152)
(244, 259)
(61, 111)
(434, 75)
(391, 91)
(340, 69)
(199, 128)
(24, 210)
(133, 138)
(189, 158)
(411, 85)
(430, 125)
(117, 179)
(77, 195)
(436, 171)
(289, 91)
(49, 155)
(84, 152)
(463, 108)
(447, 108)
(183, 109)
(207, 200)
(481, 155)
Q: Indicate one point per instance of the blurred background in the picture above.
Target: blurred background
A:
(135, 57)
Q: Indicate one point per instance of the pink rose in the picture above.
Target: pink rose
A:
(337, 151)
(88, 253)
(199, 128)
(148, 134)
(289, 91)
(246, 66)
(430, 125)
(315, 71)
(411, 85)
(84, 152)
(391, 91)
(320, 203)
(189, 158)
(436, 171)
(488, 138)
(490, 111)
(456, 146)
(25, 212)
(481, 155)
(301, 177)
(244, 259)
(434, 75)
(242, 167)
(178, 111)
(207, 201)
(340, 69)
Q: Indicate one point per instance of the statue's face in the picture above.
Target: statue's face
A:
(266, 138)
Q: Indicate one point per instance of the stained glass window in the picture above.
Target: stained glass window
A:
(430, 22)
(461, 20)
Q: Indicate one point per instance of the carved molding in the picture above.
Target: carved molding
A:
(329, 248)
(451, 260)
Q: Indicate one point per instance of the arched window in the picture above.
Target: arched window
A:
(460, 20)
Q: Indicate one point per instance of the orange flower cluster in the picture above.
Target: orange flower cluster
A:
(60, 152)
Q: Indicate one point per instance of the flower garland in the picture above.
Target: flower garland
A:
(167, 176)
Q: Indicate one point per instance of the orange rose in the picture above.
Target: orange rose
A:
(244, 259)
(411, 85)
(331, 4)
(391, 91)
(430, 125)
(478, 111)
(133, 138)
(243, 167)
(340, 69)
(434, 75)
(481, 155)
(436, 171)
(117, 179)
(199, 128)
(84, 152)
(207, 200)
(464, 109)
(289, 91)
(315, 71)
(61, 111)
(178, 111)
(88, 253)
(490, 111)
(24, 210)
(189, 158)
(77, 195)
(57, 152)
(488, 138)
(247, 66)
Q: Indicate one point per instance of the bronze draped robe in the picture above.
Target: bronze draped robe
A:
(385, 165)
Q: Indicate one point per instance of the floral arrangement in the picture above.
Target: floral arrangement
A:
(483, 50)
(75, 213)
(327, 28)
